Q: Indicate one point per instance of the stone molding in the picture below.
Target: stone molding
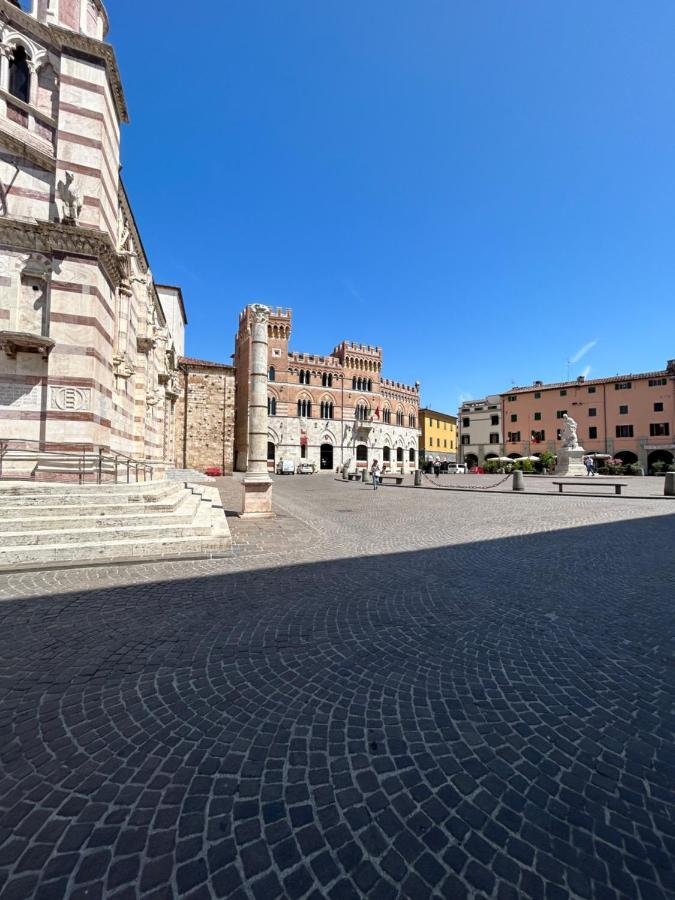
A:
(43, 159)
(50, 238)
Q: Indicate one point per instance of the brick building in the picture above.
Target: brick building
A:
(327, 410)
(630, 417)
(205, 415)
(87, 357)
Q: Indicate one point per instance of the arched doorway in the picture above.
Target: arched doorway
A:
(626, 457)
(470, 460)
(386, 454)
(362, 453)
(271, 454)
(327, 457)
(659, 460)
(490, 456)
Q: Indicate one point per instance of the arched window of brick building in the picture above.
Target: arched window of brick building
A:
(327, 380)
(271, 406)
(19, 74)
(305, 409)
(272, 375)
(370, 384)
(326, 409)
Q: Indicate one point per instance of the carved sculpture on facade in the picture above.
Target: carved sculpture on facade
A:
(72, 199)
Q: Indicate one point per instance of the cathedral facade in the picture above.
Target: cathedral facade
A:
(328, 410)
(89, 344)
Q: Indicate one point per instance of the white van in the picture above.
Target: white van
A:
(286, 467)
(456, 469)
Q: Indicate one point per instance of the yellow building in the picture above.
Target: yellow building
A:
(438, 437)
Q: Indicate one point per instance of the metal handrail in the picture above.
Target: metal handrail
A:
(99, 462)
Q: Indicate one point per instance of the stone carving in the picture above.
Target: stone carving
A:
(72, 199)
(260, 313)
(70, 399)
(568, 434)
(122, 367)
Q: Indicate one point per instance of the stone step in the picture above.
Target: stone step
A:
(33, 556)
(38, 528)
(182, 512)
(139, 532)
(16, 494)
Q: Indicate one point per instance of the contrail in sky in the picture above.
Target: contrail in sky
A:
(582, 351)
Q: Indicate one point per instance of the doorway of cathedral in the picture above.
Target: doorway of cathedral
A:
(327, 457)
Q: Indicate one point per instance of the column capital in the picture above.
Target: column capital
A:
(260, 313)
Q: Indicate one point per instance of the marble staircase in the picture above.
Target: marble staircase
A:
(52, 524)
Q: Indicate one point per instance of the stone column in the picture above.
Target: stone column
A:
(257, 482)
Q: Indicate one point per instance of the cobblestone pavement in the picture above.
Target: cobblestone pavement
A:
(392, 694)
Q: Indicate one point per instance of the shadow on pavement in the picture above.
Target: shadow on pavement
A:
(485, 720)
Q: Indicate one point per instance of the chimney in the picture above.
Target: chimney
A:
(581, 379)
(539, 384)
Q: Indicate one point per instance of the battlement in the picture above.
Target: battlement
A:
(280, 313)
(398, 386)
(357, 348)
(314, 360)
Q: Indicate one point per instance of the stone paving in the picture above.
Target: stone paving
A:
(391, 694)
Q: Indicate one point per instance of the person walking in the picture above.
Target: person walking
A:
(375, 474)
(437, 467)
(590, 465)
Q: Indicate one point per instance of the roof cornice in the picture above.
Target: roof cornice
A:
(65, 39)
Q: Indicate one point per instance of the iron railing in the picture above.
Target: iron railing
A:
(102, 465)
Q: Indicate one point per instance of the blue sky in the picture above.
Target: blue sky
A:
(483, 188)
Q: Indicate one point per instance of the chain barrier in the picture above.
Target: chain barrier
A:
(488, 487)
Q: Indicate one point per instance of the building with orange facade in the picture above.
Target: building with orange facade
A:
(629, 417)
(327, 410)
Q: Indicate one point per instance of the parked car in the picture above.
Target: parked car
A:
(286, 467)
(305, 469)
(456, 469)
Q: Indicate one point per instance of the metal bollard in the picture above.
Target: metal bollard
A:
(518, 481)
(364, 475)
(418, 477)
(669, 486)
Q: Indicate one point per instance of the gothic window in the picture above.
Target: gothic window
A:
(370, 385)
(386, 416)
(411, 455)
(386, 454)
(362, 453)
(19, 75)
(354, 383)
(271, 406)
(399, 417)
(412, 421)
(327, 380)
(305, 409)
(399, 454)
(326, 409)
(272, 375)
(361, 412)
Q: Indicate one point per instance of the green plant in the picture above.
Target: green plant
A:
(546, 460)
(490, 466)
(658, 466)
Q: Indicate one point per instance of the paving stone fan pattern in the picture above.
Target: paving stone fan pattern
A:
(486, 720)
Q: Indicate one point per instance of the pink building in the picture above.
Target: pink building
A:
(631, 417)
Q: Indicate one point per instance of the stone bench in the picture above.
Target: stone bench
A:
(354, 476)
(617, 485)
(392, 476)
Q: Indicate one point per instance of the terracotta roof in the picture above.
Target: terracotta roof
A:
(191, 361)
(663, 373)
(435, 412)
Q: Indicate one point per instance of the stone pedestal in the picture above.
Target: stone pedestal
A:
(570, 462)
(257, 484)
